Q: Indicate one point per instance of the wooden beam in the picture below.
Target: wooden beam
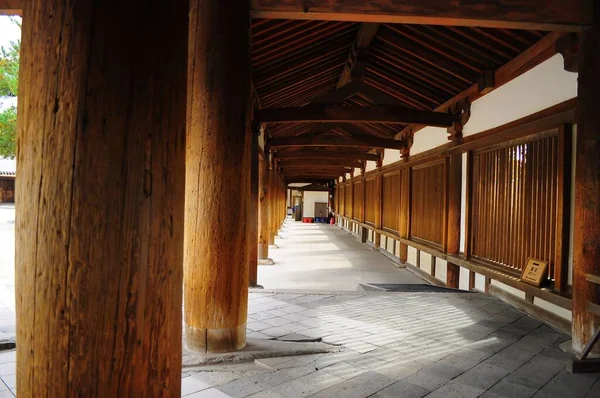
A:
(550, 15)
(320, 162)
(388, 115)
(338, 95)
(11, 7)
(312, 154)
(541, 51)
(334, 141)
(356, 65)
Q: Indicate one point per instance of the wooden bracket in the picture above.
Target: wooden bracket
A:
(363, 168)
(380, 155)
(487, 82)
(462, 112)
(408, 136)
(568, 46)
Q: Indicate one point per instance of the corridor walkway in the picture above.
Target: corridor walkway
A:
(324, 257)
(438, 345)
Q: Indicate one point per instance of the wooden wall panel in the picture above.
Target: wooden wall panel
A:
(358, 199)
(514, 212)
(428, 199)
(370, 200)
(391, 200)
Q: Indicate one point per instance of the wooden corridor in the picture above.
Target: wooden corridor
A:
(157, 139)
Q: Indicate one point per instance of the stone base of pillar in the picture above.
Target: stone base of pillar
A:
(215, 340)
(256, 287)
(266, 261)
(273, 247)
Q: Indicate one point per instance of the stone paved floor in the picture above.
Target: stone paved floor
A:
(324, 257)
(398, 345)
(390, 344)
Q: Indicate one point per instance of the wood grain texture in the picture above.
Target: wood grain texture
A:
(343, 114)
(428, 207)
(404, 213)
(217, 176)
(100, 198)
(515, 190)
(253, 214)
(507, 14)
(390, 200)
(263, 211)
(586, 245)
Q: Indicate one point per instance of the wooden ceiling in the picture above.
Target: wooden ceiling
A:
(313, 68)
(407, 62)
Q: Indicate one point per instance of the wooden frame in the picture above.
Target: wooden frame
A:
(548, 121)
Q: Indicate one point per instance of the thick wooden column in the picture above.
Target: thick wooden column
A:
(403, 222)
(263, 213)
(378, 212)
(100, 198)
(217, 176)
(253, 213)
(272, 197)
(453, 220)
(586, 243)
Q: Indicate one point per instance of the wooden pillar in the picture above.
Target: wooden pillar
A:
(271, 203)
(586, 243)
(263, 213)
(378, 201)
(253, 212)
(403, 219)
(100, 197)
(217, 176)
(453, 219)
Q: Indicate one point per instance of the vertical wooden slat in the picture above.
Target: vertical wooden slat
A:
(563, 198)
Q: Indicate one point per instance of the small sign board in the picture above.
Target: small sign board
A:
(535, 272)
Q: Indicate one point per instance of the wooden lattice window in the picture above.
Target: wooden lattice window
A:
(370, 200)
(391, 200)
(428, 204)
(515, 202)
(358, 194)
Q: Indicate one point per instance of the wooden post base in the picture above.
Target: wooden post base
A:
(215, 340)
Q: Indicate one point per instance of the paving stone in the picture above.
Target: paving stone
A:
(257, 326)
(427, 380)
(594, 391)
(344, 370)
(482, 376)
(456, 390)
(402, 389)
(363, 385)
(535, 373)
(209, 393)
(191, 385)
(249, 385)
(460, 362)
(305, 385)
(510, 358)
(277, 321)
(566, 384)
(510, 390)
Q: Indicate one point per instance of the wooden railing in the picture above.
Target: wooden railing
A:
(517, 202)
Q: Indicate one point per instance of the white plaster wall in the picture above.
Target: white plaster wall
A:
(441, 269)
(545, 85)
(428, 138)
(310, 198)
